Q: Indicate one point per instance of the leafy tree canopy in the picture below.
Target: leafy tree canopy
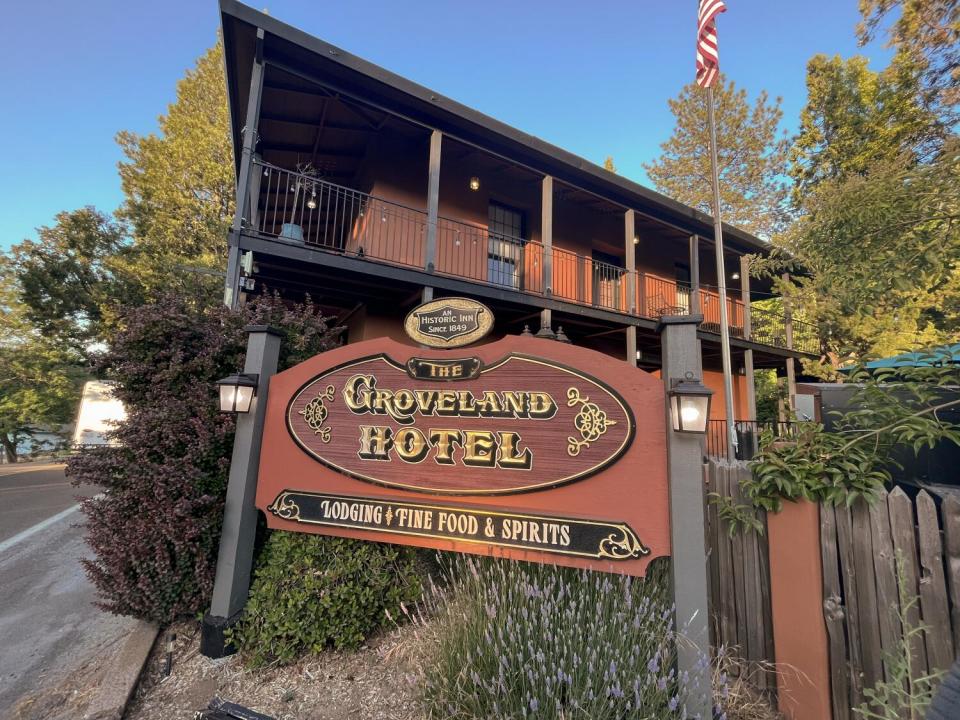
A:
(179, 185)
(928, 33)
(65, 278)
(855, 117)
(752, 157)
(881, 255)
(39, 379)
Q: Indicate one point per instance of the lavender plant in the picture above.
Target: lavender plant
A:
(519, 640)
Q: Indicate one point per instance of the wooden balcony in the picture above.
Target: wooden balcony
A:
(303, 209)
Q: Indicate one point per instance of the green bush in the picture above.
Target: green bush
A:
(519, 640)
(311, 591)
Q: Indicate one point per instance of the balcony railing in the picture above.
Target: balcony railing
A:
(748, 436)
(304, 209)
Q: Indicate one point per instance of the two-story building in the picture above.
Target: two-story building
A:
(370, 193)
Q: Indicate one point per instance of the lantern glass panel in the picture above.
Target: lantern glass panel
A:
(228, 398)
(244, 397)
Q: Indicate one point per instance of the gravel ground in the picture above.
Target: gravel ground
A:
(369, 684)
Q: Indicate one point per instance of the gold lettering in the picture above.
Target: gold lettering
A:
(426, 400)
(445, 441)
(410, 444)
(375, 442)
(542, 406)
(513, 403)
(404, 403)
(465, 404)
(356, 393)
(446, 403)
(479, 448)
(490, 405)
(510, 454)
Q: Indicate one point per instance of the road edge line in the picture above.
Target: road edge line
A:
(33, 530)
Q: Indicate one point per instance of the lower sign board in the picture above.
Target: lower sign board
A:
(524, 448)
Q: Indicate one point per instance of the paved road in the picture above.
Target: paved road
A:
(32, 492)
(48, 623)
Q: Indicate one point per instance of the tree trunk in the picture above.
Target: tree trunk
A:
(9, 447)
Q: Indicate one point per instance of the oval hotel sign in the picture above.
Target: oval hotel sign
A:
(456, 427)
(525, 447)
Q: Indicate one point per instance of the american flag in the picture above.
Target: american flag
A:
(708, 60)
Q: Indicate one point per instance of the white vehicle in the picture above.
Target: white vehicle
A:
(99, 411)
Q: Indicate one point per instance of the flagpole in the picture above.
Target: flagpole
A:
(722, 285)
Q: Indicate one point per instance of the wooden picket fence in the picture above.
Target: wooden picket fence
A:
(860, 547)
(741, 619)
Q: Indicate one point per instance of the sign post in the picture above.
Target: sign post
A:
(235, 559)
(687, 535)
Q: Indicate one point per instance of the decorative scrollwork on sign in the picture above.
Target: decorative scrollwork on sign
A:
(622, 545)
(591, 422)
(315, 413)
(285, 507)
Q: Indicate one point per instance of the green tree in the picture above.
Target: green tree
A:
(855, 117)
(881, 256)
(39, 379)
(66, 277)
(179, 185)
(926, 31)
(752, 157)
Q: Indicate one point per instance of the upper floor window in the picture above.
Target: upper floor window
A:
(505, 245)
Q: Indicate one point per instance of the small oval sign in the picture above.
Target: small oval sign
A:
(448, 322)
(457, 426)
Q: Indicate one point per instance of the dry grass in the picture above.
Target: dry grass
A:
(368, 684)
(372, 683)
(736, 681)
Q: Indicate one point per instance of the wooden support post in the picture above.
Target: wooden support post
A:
(256, 177)
(747, 330)
(796, 599)
(546, 233)
(630, 255)
(695, 308)
(546, 241)
(231, 291)
(791, 367)
(433, 208)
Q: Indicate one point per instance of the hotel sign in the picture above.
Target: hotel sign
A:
(449, 322)
(460, 427)
(513, 448)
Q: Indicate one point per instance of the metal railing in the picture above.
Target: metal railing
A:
(301, 208)
(748, 436)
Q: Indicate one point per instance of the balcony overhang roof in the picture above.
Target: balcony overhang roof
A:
(353, 76)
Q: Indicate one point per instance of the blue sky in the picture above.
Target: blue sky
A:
(592, 77)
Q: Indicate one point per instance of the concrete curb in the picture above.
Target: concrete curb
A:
(122, 674)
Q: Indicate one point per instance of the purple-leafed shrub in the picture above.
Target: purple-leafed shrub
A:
(155, 528)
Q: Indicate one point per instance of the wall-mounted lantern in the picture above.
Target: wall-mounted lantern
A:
(237, 393)
(689, 405)
(474, 183)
